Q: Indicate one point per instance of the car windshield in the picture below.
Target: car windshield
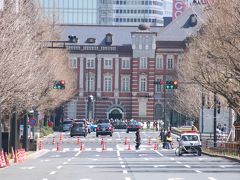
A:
(78, 125)
(103, 121)
(189, 138)
(67, 122)
(104, 125)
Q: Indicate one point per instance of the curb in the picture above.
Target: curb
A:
(222, 156)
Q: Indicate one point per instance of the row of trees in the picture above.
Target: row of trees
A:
(212, 62)
(27, 68)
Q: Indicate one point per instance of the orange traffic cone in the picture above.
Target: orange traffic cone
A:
(103, 146)
(53, 142)
(2, 160)
(40, 145)
(102, 141)
(155, 147)
(16, 156)
(81, 146)
(58, 146)
(78, 140)
(149, 141)
(6, 159)
(126, 141)
(129, 147)
(61, 137)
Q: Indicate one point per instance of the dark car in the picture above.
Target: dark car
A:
(67, 125)
(87, 124)
(133, 126)
(120, 125)
(104, 129)
(78, 129)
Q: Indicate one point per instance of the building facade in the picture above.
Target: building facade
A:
(104, 12)
(121, 69)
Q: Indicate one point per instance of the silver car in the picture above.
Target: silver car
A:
(78, 129)
(67, 125)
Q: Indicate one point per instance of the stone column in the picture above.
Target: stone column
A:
(116, 76)
(99, 75)
(81, 74)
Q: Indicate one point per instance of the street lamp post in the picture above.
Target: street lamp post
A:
(215, 120)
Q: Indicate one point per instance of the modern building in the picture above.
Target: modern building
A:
(118, 68)
(105, 12)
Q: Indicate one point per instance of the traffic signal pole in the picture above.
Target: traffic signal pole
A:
(215, 121)
(25, 132)
(0, 129)
(164, 108)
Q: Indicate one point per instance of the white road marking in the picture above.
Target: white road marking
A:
(54, 149)
(118, 153)
(91, 167)
(175, 178)
(76, 149)
(109, 149)
(97, 155)
(222, 166)
(109, 139)
(52, 173)
(172, 159)
(99, 149)
(69, 159)
(127, 178)
(123, 166)
(55, 156)
(125, 171)
(178, 162)
(77, 154)
(121, 162)
(198, 171)
(59, 167)
(118, 135)
(88, 149)
(30, 167)
(65, 163)
(118, 139)
(45, 160)
(44, 179)
(65, 149)
(187, 166)
(94, 159)
(119, 158)
(211, 178)
(158, 153)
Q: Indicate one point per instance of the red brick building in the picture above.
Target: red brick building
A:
(118, 66)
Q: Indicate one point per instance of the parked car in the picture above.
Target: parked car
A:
(67, 125)
(120, 125)
(133, 125)
(78, 129)
(104, 129)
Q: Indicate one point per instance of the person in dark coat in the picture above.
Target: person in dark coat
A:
(138, 139)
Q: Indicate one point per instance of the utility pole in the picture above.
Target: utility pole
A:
(14, 136)
(25, 132)
(0, 129)
(215, 120)
(164, 107)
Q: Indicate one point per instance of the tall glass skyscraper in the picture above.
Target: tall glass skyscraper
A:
(106, 12)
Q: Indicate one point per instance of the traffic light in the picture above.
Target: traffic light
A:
(171, 85)
(59, 84)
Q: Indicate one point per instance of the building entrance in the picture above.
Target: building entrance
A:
(115, 114)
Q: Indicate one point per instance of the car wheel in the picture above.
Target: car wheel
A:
(199, 153)
(111, 134)
(96, 135)
(71, 135)
(127, 131)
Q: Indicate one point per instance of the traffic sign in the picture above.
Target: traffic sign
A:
(32, 122)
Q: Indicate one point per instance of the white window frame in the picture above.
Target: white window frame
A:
(158, 87)
(73, 62)
(91, 82)
(90, 63)
(107, 83)
(143, 63)
(170, 62)
(143, 83)
(108, 63)
(125, 83)
(126, 64)
(159, 62)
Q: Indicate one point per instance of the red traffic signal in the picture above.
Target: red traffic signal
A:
(62, 82)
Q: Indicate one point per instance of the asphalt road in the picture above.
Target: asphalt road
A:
(91, 160)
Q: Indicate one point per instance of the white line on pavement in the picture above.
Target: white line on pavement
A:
(59, 167)
(198, 171)
(187, 166)
(121, 162)
(211, 178)
(119, 158)
(178, 162)
(118, 153)
(172, 159)
(158, 153)
(53, 172)
(77, 154)
(65, 163)
(127, 178)
(44, 179)
(125, 171)
(69, 159)
(118, 135)
(123, 166)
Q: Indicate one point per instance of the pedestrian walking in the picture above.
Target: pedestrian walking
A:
(168, 140)
(161, 135)
(138, 139)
